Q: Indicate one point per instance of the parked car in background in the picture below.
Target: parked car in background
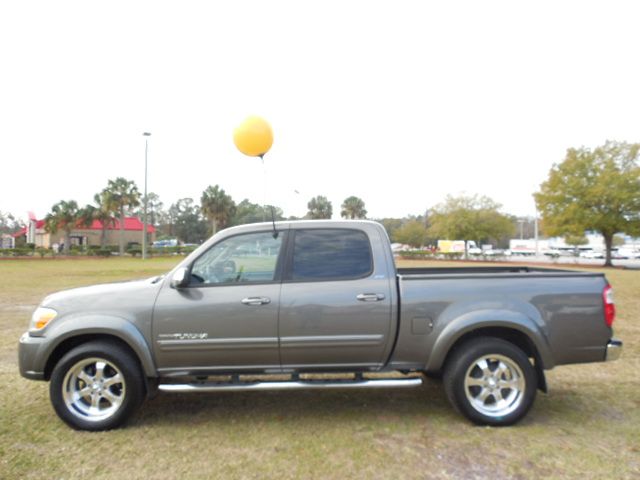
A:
(592, 254)
(616, 255)
(170, 242)
(473, 250)
(628, 253)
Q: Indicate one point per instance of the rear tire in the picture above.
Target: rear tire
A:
(97, 386)
(490, 381)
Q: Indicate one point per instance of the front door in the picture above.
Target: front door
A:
(226, 319)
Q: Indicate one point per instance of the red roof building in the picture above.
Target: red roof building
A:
(130, 223)
(35, 232)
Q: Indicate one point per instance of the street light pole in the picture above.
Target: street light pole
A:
(521, 222)
(536, 233)
(144, 227)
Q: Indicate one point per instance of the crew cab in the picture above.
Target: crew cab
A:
(293, 299)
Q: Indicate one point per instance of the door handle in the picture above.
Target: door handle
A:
(370, 297)
(255, 301)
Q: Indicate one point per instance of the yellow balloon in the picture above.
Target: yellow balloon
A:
(253, 137)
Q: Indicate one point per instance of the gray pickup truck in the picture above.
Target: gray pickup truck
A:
(266, 306)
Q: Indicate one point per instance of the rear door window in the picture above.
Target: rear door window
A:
(330, 254)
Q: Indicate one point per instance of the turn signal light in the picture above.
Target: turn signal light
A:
(41, 318)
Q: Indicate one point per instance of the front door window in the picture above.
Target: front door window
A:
(251, 258)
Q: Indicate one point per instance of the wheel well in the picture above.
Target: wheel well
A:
(516, 337)
(70, 343)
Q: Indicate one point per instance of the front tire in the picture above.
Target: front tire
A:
(490, 381)
(96, 386)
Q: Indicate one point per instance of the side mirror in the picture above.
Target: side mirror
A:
(180, 278)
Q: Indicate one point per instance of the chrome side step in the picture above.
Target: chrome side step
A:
(290, 385)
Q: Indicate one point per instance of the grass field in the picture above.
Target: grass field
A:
(588, 426)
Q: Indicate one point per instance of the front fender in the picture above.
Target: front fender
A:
(491, 318)
(97, 324)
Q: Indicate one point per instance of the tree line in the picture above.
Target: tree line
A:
(590, 190)
(192, 222)
(464, 217)
(187, 220)
(595, 190)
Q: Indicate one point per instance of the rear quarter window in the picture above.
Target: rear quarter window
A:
(330, 254)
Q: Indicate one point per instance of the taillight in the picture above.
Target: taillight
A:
(609, 305)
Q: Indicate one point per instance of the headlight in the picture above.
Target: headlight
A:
(41, 318)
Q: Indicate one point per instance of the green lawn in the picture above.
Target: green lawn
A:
(588, 426)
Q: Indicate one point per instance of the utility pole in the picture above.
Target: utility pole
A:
(535, 227)
(521, 222)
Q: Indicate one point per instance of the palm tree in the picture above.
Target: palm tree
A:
(122, 195)
(64, 216)
(217, 206)
(85, 216)
(319, 207)
(101, 212)
(352, 208)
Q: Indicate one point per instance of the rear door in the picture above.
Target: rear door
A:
(335, 305)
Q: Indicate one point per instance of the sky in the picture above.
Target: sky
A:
(399, 103)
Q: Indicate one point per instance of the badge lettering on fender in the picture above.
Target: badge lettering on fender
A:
(183, 336)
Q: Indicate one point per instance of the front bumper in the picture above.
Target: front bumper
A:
(29, 357)
(614, 350)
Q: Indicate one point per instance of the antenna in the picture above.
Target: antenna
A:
(273, 221)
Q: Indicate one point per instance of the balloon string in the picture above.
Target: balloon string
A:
(264, 189)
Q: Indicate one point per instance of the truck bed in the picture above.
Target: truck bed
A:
(550, 305)
(484, 271)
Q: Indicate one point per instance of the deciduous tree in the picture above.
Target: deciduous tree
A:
(9, 224)
(575, 241)
(155, 212)
(597, 190)
(187, 222)
(469, 218)
(248, 212)
(411, 233)
(391, 225)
